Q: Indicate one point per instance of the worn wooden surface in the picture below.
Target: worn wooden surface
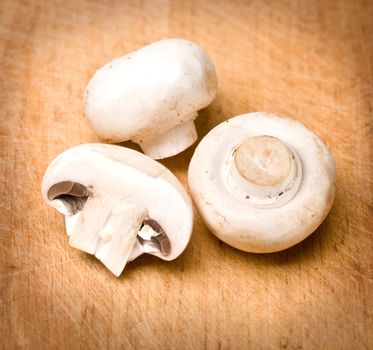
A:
(311, 60)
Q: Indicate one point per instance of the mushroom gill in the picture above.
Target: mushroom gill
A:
(72, 194)
(158, 241)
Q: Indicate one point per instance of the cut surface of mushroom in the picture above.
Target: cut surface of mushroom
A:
(263, 161)
(265, 171)
(262, 183)
(152, 96)
(116, 204)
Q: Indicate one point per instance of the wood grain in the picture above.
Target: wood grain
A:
(311, 60)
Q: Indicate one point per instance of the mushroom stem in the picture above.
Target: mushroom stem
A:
(171, 142)
(116, 251)
(108, 230)
(151, 237)
(265, 171)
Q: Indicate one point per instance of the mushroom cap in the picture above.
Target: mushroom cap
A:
(128, 177)
(150, 91)
(230, 216)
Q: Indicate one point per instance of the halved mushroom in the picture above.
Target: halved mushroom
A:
(262, 183)
(152, 96)
(117, 202)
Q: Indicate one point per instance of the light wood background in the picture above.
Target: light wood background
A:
(311, 60)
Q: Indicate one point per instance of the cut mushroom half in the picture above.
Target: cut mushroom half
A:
(116, 203)
(152, 96)
(261, 182)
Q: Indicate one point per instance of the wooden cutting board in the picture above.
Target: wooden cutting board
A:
(310, 60)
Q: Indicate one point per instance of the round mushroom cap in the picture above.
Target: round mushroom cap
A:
(150, 91)
(230, 214)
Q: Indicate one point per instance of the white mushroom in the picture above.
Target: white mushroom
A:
(262, 183)
(117, 202)
(152, 96)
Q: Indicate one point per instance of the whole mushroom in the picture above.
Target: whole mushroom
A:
(262, 183)
(116, 203)
(152, 96)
